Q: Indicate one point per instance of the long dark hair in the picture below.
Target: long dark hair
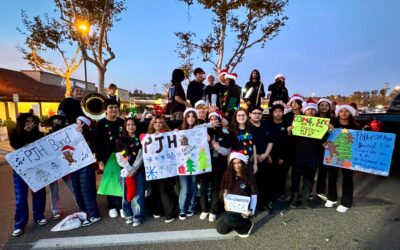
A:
(124, 131)
(352, 122)
(229, 175)
(185, 124)
(258, 75)
(177, 77)
(234, 127)
(21, 122)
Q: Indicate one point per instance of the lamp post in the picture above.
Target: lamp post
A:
(84, 28)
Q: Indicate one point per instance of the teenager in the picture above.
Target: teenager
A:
(345, 120)
(242, 137)
(231, 96)
(220, 148)
(163, 195)
(238, 180)
(254, 89)
(108, 131)
(219, 90)
(209, 89)
(296, 103)
(278, 90)
(84, 179)
(176, 96)
(130, 158)
(202, 111)
(70, 107)
(26, 131)
(324, 111)
(266, 175)
(195, 90)
(187, 193)
(112, 94)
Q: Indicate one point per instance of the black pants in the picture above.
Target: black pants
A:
(213, 180)
(114, 202)
(307, 170)
(267, 184)
(233, 221)
(321, 180)
(282, 173)
(347, 185)
(164, 198)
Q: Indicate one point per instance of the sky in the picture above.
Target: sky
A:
(327, 47)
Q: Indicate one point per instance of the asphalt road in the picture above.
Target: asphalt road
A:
(369, 224)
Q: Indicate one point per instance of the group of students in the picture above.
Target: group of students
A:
(250, 156)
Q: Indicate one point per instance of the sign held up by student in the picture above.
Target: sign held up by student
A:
(310, 126)
(183, 152)
(51, 157)
(365, 151)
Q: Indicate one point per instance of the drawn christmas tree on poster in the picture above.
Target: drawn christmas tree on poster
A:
(190, 168)
(202, 160)
(344, 145)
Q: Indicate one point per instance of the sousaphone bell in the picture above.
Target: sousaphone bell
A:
(93, 106)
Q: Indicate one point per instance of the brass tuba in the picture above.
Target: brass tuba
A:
(93, 106)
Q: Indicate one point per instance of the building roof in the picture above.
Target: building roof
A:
(28, 89)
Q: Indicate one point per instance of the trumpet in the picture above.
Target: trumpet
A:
(93, 106)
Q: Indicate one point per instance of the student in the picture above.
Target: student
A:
(344, 119)
(279, 154)
(324, 111)
(209, 89)
(220, 148)
(219, 89)
(163, 193)
(231, 96)
(202, 111)
(305, 163)
(238, 180)
(296, 104)
(70, 107)
(112, 94)
(195, 90)
(278, 90)
(130, 158)
(26, 131)
(176, 96)
(84, 179)
(253, 90)
(242, 137)
(108, 131)
(187, 193)
(266, 175)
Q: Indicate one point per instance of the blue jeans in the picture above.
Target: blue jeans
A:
(21, 203)
(187, 194)
(135, 207)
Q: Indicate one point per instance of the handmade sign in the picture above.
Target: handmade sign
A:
(237, 203)
(51, 158)
(110, 183)
(365, 151)
(310, 126)
(184, 152)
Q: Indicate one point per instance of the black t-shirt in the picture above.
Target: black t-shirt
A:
(208, 91)
(241, 187)
(243, 140)
(71, 109)
(174, 106)
(219, 90)
(279, 133)
(107, 134)
(195, 92)
(262, 136)
(278, 92)
(218, 162)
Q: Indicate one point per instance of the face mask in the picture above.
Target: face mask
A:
(57, 127)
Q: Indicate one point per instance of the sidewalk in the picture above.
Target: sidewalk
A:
(5, 148)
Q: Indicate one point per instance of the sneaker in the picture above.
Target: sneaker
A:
(203, 215)
(182, 216)
(156, 216)
(329, 203)
(294, 200)
(113, 213)
(17, 232)
(212, 217)
(170, 220)
(248, 233)
(322, 197)
(190, 213)
(42, 222)
(121, 213)
(342, 209)
(269, 208)
(129, 221)
(56, 216)
(136, 222)
(90, 221)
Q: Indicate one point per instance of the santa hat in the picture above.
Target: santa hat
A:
(310, 105)
(209, 75)
(325, 100)
(223, 72)
(347, 107)
(297, 97)
(189, 110)
(238, 155)
(232, 76)
(85, 120)
(198, 103)
(67, 147)
(279, 75)
(215, 114)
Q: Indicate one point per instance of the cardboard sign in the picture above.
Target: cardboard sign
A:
(365, 151)
(184, 152)
(237, 203)
(50, 158)
(310, 126)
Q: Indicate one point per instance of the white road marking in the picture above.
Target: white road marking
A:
(131, 239)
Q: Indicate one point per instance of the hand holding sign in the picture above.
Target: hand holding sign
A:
(310, 126)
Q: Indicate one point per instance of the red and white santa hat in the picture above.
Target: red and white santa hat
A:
(310, 105)
(325, 100)
(189, 110)
(348, 107)
(67, 147)
(279, 75)
(238, 155)
(198, 103)
(223, 72)
(215, 114)
(85, 120)
(297, 97)
(232, 76)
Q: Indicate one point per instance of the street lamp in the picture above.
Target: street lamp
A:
(84, 28)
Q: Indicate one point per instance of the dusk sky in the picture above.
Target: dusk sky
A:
(327, 47)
